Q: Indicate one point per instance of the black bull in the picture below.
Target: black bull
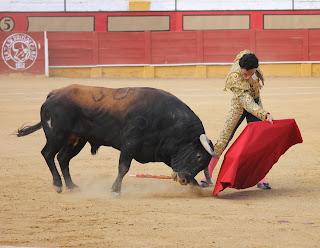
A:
(145, 124)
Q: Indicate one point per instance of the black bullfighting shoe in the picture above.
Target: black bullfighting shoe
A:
(264, 186)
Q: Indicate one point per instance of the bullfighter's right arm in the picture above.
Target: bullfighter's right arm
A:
(241, 93)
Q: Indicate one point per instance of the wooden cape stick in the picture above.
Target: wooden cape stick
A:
(141, 175)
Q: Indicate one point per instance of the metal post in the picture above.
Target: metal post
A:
(293, 4)
(46, 55)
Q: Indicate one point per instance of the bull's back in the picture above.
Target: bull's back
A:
(118, 101)
(89, 97)
(114, 108)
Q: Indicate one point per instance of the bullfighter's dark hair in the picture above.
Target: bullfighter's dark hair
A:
(249, 61)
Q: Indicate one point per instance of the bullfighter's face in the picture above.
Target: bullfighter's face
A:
(246, 74)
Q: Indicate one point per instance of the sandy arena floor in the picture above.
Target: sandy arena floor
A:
(157, 213)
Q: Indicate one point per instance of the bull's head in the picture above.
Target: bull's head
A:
(191, 159)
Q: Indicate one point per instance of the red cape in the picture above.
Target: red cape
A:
(254, 152)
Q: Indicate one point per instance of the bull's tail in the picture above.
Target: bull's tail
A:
(25, 130)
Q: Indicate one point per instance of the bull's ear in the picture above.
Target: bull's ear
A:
(205, 142)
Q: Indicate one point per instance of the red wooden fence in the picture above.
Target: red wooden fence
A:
(314, 45)
(94, 48)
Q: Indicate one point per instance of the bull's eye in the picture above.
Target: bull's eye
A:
(198, 156)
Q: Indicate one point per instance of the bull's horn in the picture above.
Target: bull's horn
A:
(205, 143)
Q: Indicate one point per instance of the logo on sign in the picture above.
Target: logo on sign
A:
(19, 51)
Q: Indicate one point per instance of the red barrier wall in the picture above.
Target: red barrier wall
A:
(123, 48)
(314, 44)
(22, 52)
(223, 45)
(72, 48)
(277, 45)
(90, 48)
(20, 20)
(177, 47)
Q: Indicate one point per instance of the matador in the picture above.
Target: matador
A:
(245, 81)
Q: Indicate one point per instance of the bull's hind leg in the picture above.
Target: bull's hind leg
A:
(64, 156)
(56, 120)
(124, 166)
(49, 152)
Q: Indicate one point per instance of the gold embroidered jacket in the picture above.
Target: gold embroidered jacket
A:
(244, 92)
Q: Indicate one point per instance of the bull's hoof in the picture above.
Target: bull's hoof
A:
(57, 184)
(58, 189)
(116, 187)
(116, 194)
(115, 190)
(73, 188)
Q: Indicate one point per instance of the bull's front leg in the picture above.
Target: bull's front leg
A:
(124, 166)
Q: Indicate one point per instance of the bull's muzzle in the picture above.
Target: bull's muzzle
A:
(183, 181)
(181, 177)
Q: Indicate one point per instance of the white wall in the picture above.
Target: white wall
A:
(307, 4)
(97, 5)
(156, 5)
(31, 5)
(163, 5)
(116, 5)
(234, 4)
